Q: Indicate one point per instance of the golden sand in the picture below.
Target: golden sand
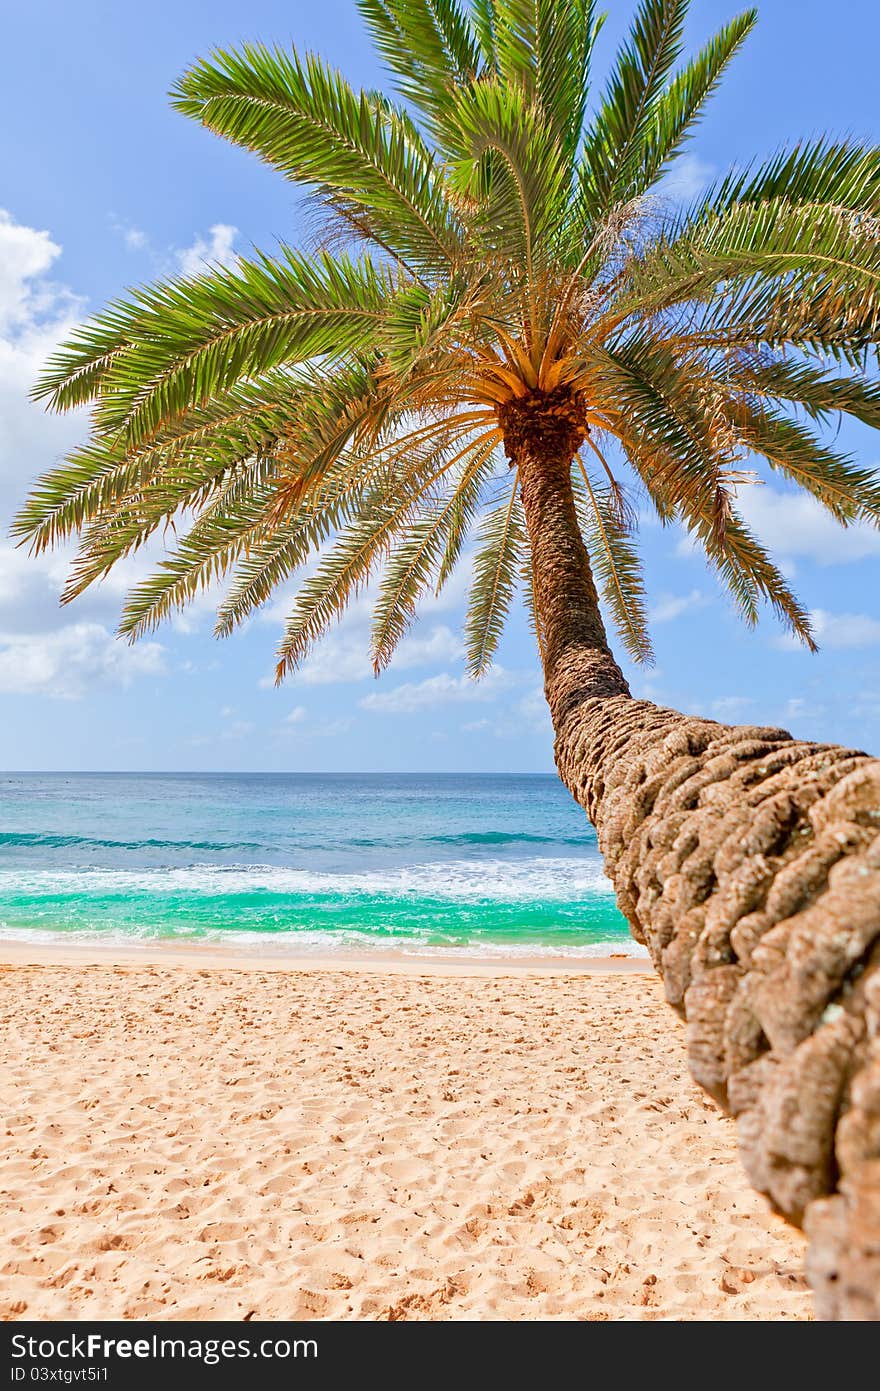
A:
(205, 1142)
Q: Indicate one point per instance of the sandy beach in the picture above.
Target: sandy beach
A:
(188, 1136)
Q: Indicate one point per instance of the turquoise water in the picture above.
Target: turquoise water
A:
(457, 865)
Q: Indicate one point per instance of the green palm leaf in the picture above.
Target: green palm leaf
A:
(364, 160)
(619, 128)
(429, 45)
(679, 107)
(544, 49)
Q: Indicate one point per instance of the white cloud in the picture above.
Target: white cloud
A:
(649, 689)
(843, 629)
(68, 662)
(793, 524)
(835, 630)
(421, 648)
(35, 313)
(231, 733)
(439, 690)
(216, 250)
(344, 655)
(44, 649)
(731, 707)
(25, 256)
(330, 729)
(302, 728)
(529, 716)
(29, 588)
(797, 708)
(239, 729)
(867, 706)
(132, 237)
(671, 606)
(535, 712)
(687, 178)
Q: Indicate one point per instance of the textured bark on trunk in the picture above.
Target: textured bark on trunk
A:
(748, 863)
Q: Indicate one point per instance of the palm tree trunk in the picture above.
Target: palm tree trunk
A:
(748, 863)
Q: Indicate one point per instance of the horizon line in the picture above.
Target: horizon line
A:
(276, 773)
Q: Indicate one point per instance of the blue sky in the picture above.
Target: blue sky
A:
(102, 186)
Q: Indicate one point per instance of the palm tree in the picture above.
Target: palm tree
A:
(496, 315)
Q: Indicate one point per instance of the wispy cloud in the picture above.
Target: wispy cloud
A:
(534, 712)
(528, 716)
(836, 630)
(794, 524)
(798, 708)
(671, 606)
(731, 707)
(218, 248)
(69, 662)
(41, 651)
(133, 238)
(443, 689)
(215, 248)
(343, 656)
(299, 725)
(688, 177)
(36, 312)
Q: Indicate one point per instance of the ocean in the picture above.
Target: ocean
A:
(320, 864)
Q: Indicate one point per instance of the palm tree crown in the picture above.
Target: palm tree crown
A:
(489, 246)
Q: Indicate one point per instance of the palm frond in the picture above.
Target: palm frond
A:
(421, 549)
(543, 49)
(360, 548)
(321, 417)
(624, 119)
(223, 530)
(645, 389)
(679, 107)
(220, 434)
(507, 164)
(805, 384)
(496, 566)
(849, 493)
(615, 562)
(429, 46)
(838, 173)
(192, 339)
(747, 572)
(529, 585)
(365, 160)
(483, 14)
(466, 508)
(338, 415)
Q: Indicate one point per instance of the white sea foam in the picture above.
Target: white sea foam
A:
(350, 942)
(543, 879)
(336, 942)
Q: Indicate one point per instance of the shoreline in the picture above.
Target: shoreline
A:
(214, 957)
